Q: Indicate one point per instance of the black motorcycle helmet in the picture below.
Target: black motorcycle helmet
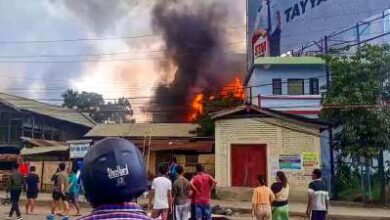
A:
(113, 172)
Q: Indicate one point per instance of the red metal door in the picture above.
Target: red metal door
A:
(247, 163)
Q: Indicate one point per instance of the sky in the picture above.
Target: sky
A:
(108, 47)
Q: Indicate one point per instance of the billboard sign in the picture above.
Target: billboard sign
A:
(290, 24)
(78, 149)
(261, 47)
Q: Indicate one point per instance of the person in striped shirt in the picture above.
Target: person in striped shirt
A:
(318, 197)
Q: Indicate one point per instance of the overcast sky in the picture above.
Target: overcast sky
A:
(32, 67)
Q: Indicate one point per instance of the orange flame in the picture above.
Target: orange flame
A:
(234, 88)
(197, 107)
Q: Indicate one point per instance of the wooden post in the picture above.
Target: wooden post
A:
(143, 150)
(42, 172)
(150, 143)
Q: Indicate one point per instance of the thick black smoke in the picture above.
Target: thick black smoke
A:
(194, 41)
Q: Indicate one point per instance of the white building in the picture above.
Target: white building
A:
(289, 84)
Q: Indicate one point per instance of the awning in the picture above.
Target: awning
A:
(42, 142)
(42, 150)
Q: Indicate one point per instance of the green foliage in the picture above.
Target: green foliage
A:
(356, 101)
(348, 177)
(119, 111)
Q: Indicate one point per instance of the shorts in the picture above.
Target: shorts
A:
(73, 197)
(57, 196)
(318, 215)
(160, 212)
(32, 195)
(203, 211)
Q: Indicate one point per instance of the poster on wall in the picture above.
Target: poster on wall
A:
(310, 159)
(290, 24)
(290, 162)
(274, 165)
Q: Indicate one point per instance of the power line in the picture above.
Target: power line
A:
(104, 60)
(97, 54)
(92, 39)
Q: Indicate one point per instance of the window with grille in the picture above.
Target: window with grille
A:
(295, 86)
(314, 86)
(277, 86)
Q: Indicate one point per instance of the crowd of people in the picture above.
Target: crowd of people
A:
(113, 177)
(272, 203)
(65, 189)
(176, 197)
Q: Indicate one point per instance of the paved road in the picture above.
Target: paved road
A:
(41, 213)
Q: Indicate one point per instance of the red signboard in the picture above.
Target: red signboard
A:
(261, 47)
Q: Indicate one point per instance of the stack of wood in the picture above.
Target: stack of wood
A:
(10, 157)
(4, 176)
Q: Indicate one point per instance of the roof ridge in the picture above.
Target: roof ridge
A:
(33, 100)
(50, 107)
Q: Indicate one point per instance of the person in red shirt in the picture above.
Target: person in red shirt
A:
(202, 185)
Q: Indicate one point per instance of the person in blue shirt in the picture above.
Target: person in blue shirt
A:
(32, 181)
(74, 190)
(172, 172)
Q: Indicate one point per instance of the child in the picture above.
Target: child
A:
(261, 200)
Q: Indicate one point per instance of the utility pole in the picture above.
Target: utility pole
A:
(381, 166)
(330, 130)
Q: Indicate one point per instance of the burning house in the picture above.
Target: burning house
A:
(197, 63)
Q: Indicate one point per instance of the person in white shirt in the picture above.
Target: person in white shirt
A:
(318, 197)
(268, 23)
(161, 194)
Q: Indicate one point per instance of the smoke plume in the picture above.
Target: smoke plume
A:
(195, 44)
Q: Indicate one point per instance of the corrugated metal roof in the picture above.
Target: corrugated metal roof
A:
(42, 142)
(144, 129)
(42, 150)
(52, 111)
(289, 61)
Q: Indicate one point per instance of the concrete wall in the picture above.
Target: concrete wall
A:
(261, 81)
(263, 76)
(279, 140)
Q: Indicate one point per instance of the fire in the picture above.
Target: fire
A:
(235, 88)
(197, 107)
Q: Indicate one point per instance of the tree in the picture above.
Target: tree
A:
(70, 98)
(357, 103)
(119, 111)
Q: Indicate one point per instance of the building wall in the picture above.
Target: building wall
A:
(263, 76)
(279, 141)
(261, 83)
